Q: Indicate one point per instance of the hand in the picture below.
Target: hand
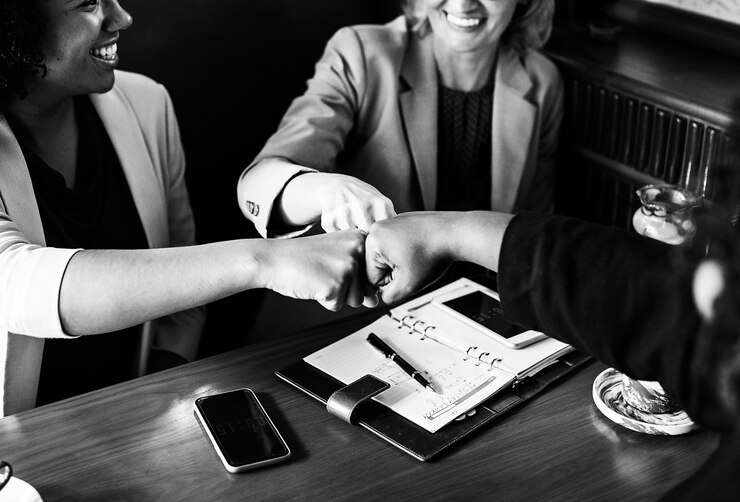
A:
(347, 202)
(328, 268)
(406, 253)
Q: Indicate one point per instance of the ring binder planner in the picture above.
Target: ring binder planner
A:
(428, 331)
(469, 371)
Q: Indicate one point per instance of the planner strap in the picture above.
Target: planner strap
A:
(343, 402)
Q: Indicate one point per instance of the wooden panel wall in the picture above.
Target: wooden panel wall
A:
(639, 110)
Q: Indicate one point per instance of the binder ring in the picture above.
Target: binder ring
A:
(493, 363)
(413, 326)
(467, 352)
(480, 357)
(424, 333)
(403, 320)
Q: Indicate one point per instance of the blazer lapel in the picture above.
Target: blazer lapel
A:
(128, 141)
(418, 101)
(512, 126)
(16, 189)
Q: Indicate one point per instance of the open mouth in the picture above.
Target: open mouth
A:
(105, 53)
(464, 22)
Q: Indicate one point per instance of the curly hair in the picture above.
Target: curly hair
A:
(21, 28)
(529, 28)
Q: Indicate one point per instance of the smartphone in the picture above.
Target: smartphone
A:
(240, 430)
(481, 309)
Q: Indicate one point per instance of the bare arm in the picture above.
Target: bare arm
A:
(103, 291)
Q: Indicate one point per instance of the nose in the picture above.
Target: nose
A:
(116, 18)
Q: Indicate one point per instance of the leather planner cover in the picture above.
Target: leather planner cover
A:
(411, 438)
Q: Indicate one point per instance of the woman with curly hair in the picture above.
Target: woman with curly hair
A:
(450, 107)
(91, 182)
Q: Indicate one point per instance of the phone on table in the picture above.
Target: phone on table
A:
(481, 309)
(240, 430)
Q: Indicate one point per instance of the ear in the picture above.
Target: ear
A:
(709, 282)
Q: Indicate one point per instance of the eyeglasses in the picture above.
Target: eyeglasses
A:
(6, 472)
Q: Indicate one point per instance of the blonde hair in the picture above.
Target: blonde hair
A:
(530, 26)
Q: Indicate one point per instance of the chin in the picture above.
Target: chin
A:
(105, 86)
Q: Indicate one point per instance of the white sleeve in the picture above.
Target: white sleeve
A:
(30, 280)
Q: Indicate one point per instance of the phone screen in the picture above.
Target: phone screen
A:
(486, 311)
(240, 427)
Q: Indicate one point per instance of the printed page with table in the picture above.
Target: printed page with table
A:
(464, 364)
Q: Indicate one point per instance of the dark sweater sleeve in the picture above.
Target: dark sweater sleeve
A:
(613, 294)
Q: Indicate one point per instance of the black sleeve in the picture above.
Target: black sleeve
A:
(620, 297)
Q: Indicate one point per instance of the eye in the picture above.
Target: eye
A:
(89, 5)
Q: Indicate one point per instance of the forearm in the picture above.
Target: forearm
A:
(615, 295)
(106, 290)
(476, 236)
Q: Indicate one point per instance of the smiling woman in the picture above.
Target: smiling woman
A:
(92, 175)
(450, 107)
(78, 43)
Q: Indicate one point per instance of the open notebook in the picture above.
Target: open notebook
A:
(465, 365)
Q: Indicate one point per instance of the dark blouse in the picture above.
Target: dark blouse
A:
(464, 154)
(464, 159)
(97, 213)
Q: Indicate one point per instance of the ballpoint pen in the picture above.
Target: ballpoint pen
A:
(391, 354)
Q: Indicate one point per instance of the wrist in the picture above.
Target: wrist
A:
(301, 200)
(451, 239)
(257, 264)
(477, 237)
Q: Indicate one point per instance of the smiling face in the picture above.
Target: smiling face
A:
(79, 45)
(469, 26)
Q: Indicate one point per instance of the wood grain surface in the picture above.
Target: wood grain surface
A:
(141, 441)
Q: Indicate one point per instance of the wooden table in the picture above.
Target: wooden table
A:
(140, 441)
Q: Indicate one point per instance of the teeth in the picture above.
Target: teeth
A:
(108, 52)
(463, 22)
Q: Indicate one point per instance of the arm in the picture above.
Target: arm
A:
(613, 294)
(339, 201)
(108, 290)
(412, 250)
(45, 293)
(311, 136)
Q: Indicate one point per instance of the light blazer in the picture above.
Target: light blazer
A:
(370, 111)
(139, 118)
